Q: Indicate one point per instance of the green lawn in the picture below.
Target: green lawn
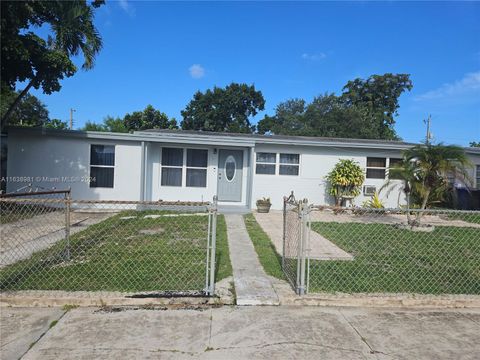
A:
(165, 253)
(269, 258)
(387, 259)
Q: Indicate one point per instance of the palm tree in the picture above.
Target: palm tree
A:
(73, 33)
(424, 172)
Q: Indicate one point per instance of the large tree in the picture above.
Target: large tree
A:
(226, 109)
(55, 124)
(365, 109)
(149, 118)
(110, 124)
(379, 95)
(42, 63)
(30, 111)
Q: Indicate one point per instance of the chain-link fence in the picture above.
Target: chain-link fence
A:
(50, 242)
(365, 250)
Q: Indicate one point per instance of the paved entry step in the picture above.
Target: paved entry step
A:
(252, 286)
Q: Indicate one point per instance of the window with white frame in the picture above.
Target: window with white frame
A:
(395, 163)
(289, 164)
(478, 177)
(172, 167)
(102, 165)
(376, 167)
(177, 161)
(197, 168)
(266, 163)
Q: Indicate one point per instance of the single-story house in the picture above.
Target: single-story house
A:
(180, 165)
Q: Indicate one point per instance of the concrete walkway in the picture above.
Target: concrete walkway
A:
(273, 332)
(252, 286)
(320, 247)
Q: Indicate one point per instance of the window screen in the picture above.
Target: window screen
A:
(172, 167)
(289, 164)
(376, 168)
(102, 165)
(478, 177)
(394, 163)
(197, 161)
(266, 163)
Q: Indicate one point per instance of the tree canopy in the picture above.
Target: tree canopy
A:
(149, 118)
(42, 63)
(30, 111)
(226, 109)
(365, 109)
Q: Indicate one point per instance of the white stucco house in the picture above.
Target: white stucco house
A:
(194, 166)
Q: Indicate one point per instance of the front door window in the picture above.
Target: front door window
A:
(230, 168)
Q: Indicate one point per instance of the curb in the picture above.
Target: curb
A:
(372, 300)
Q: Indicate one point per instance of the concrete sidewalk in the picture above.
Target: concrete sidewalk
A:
(252, 285)
(240, 333)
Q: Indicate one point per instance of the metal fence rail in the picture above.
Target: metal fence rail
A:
(50, 242)
(364, 250)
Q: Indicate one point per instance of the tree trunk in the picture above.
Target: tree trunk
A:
(409, 217)
(15, 103)
(424, 205)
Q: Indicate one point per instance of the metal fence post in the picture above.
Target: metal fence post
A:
(213, 246)
(207, 268)
(301, 248)
(67, 224)
(284, 231)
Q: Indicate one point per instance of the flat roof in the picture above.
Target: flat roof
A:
(225, 139)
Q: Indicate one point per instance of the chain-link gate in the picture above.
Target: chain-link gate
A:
(51, 242)
(371, 250)
(295, 243)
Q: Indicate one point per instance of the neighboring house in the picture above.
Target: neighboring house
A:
(194, 166)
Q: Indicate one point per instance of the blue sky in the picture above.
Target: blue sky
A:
(160, 53)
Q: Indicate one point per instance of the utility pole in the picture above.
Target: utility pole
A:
(429, 135)
(71, 118)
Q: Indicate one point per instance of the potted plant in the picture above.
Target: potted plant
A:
(345, 181)
(263, 205)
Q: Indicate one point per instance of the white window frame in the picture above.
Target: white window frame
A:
(376, 167)
(277, 163)
(279, 156)
(389, 166)
(184, 166)
(102, 166)
(172, 166)
(266, 163)
(195, 168)
(477, 176)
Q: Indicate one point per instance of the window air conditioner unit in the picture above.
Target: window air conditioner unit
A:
(369, 190)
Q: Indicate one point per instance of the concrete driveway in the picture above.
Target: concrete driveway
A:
(282, 332)
(21, 239)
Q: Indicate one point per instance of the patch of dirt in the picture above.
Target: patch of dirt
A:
(152, 231)
(114, 309)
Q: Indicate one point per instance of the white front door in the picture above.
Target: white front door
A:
(230, 170)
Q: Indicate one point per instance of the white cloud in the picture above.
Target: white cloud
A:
(467, 85)
(125, 5)
(196, 71)
(314, 57)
